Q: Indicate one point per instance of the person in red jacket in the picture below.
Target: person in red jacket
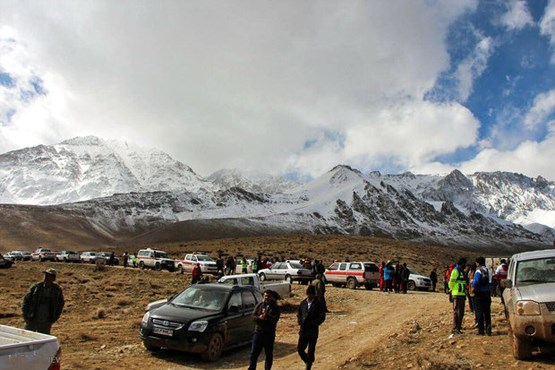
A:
(197, 273)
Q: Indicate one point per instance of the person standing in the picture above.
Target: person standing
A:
(43, 304)
(501, 275)
(405, 275)
(244, 266)
(265, 315)
(382, 279)
(220, 266)
(482, 297)
(310, 316)
(196, 274)
(125, 258)
(320, 290)
(433, 278)
(388, 272)
(457, 285)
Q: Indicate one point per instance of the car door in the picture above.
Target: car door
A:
(280, 270)
(235, 319)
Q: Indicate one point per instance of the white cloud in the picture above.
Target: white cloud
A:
(518, 16)
(543, 107)
(473, 66)
(547, 25)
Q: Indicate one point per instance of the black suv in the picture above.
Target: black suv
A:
(204, 318)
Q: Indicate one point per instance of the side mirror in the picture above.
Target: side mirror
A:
(506, 284)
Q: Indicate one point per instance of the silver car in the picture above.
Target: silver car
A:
(529, 297)
(288, 271)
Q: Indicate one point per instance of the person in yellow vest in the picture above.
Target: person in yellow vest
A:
(244, 265)
(457, 285)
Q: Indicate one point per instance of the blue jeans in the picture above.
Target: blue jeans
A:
(262, 340)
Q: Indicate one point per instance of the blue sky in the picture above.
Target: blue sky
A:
(290, 87)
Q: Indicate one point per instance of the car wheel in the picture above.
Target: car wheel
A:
(180, 269)
(288, 279)
(214, 350)
(150, 347)
(351, 283)
(522, 349)
(411, 285)
(157, 266)
(141, 265)
(262, 276)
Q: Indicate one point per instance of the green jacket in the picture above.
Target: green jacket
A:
(31, 302)
(457, 282)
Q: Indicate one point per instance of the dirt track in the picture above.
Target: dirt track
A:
(367, 329)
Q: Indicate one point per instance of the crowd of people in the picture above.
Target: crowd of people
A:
(475, 283)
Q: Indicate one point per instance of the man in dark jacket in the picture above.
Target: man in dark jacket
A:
(43, 304)
(310, 316)
(265, 315)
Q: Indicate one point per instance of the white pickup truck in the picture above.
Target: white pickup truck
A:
(24, 349)
(283, 289)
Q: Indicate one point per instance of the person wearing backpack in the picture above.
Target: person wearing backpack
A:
(482, 296)
(457, 285)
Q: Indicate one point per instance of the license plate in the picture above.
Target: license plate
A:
(161, 331)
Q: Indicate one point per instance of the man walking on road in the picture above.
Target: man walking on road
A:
(457, 285)
(310, 316)
(43, 304)
(266, 315)
(482, 297)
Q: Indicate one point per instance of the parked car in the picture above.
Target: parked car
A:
(106, 256)
(204, 319)
(288, 271)
(281, 288)
(207, 264)
(88, 257)
(43, 254)
(353, 274)
(5, 263)
(529, 297)
(418, 282)
(24, 349)
(155, 259)
(68, 256)
(18, 256)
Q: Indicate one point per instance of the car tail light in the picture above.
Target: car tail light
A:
(56, 361)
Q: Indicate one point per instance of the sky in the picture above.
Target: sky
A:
(289, 87)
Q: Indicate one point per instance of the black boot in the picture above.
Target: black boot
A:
(308, 365)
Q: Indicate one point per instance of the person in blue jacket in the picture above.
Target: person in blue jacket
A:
(388, 272)
(482, 297)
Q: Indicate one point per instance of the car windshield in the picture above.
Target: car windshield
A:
(202, 257)
(296, 265)
(537, 271)
(160, 255)
(196, 297)
(413, 271)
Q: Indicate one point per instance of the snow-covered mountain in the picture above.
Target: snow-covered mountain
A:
(89, 167)
(135, 191)
(255, 182)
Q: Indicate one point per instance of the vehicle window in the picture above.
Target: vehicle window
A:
(248, 300)
(230, 281)
(160, 255)
(235, 300)
(343, 266)
(413, 271)
(296, 265)
(201, 298)
(537, 271)
(247, 280)
(204, 258)
(334, 266)
(277, 266)
(188, 257)
(356, 266)
(371, 267)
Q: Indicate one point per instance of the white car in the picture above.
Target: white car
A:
(88, 257)
(68, 256)
(288, 271)
(418, 282)
(206, 263)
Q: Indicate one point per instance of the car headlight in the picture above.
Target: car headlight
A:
(525, 308)
(199, 326)
(145, 318)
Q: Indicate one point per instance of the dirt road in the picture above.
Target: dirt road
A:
(366, 329)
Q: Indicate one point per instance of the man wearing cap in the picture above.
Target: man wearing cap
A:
(43, 304)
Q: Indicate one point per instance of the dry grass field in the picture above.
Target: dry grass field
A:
(366, 329)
